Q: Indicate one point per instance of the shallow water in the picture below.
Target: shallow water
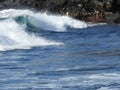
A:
(76, 58)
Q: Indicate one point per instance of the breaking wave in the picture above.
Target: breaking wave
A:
(13, 24)
(14, 36)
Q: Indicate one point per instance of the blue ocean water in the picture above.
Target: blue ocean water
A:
(57, 56)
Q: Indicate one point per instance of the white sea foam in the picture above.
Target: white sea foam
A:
(44, 20)
(58, 23)
(14, 36)
(108, 88)
(103, 79)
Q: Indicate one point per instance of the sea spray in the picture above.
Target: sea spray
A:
(14, 36)
(43, 20)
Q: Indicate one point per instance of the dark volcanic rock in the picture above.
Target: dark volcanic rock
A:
(116, 6)
(117, 20)
(88, 10)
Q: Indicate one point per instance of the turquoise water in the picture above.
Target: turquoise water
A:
(60, 57)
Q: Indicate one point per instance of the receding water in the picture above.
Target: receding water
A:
(50, 52)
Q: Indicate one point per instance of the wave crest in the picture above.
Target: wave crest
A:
(14, 36)
(13, 23)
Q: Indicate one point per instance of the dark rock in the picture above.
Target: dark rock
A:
(117, 20)
(116, 6)
(91, 10)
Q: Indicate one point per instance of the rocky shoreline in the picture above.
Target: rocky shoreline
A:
(97, 11)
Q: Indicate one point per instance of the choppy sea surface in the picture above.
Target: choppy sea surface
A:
(40, 51)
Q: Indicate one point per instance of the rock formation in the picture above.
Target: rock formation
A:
(88, 10)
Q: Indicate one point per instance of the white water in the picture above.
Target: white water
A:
(103, 79)
(14, 36)
(45, 21)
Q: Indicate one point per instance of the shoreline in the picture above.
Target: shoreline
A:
(96, 11)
